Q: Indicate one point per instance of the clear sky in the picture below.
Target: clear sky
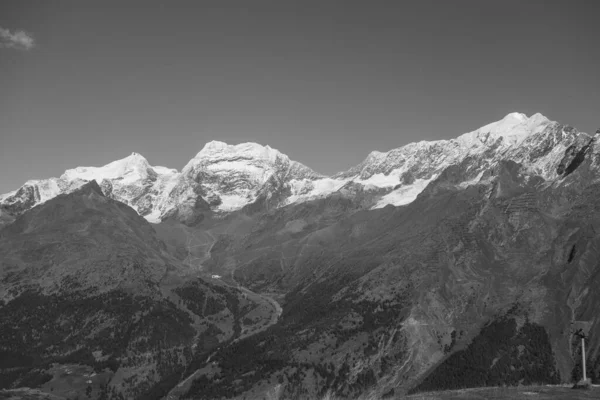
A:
(326, 82)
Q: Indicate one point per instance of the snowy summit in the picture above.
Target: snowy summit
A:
(224, 178)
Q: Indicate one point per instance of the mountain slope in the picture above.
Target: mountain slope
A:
(84, 280)
(394, 298)
(434, 266)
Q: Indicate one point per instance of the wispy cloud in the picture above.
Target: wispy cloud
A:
(18, 40)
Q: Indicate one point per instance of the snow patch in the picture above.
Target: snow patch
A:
(154, 216)
(164, 170)
(405, 194)
(306, 189)
(232, 202)
(381, 180)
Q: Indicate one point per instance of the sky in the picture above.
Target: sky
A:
(85, 83)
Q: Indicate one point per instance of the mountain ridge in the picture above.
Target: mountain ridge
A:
(225, 178)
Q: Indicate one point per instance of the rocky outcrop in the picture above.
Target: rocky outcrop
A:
(574, 156)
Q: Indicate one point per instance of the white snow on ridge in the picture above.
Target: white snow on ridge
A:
(48, 189)
(128, 170)
(238, 174)
(128, 176)
(164, 170)
(7, 195)
(381, 180)
(405, 194)
(306, 189)
(253, 172)
(514, 128)
(217, 150)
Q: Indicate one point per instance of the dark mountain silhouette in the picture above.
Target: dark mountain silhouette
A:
(85, 280)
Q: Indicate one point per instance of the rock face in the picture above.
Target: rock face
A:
(234, 176)
(224, 178)
(229, 178)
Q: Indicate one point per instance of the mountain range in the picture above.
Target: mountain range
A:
(437, 265)
(224, 178)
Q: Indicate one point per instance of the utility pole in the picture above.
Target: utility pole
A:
(583, 356)
(584, 383)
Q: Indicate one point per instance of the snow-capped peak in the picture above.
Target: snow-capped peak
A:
(214, 145)
(507, 124)
(224, 177)
(238, 175)
(130, 168)
(516, 115)
(409, 168)
(376, 154)
(221, 150)
(514, 128)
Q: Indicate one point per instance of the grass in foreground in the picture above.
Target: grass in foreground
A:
(511, 393)
(558, 392)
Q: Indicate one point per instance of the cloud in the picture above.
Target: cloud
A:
(19, 40)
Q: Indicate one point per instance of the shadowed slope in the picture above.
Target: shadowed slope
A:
(84, 280)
